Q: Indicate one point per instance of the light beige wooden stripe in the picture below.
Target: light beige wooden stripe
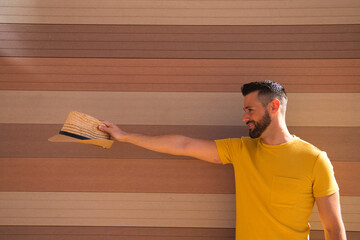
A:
(169, 108)
(180, 4)
(350, 210)
(100, 209)
(181, 12)
(136, 209)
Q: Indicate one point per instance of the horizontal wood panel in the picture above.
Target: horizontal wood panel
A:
(349, 210)
(176, 46)
(201, 75)
(114, 175)
(347, 175)
(152, 210)
(181, 21)
(164, 54)
(273, 31)
(119, 41)
(182, 12)
(319, 235)
(183, 4)
(165, 87)
(142, 210)
(135, 175)
(139, 11)
(112, 233)
(129, 233)
(170, 108)
(341, 144)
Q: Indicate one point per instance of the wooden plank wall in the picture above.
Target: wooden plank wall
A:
(158, 67)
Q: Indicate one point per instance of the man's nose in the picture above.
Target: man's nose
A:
(245, 117)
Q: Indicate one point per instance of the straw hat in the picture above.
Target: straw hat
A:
(82, 128)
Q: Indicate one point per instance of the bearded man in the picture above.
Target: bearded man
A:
(278, 176)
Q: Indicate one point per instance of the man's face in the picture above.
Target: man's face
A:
(259, 126)
(256, 117)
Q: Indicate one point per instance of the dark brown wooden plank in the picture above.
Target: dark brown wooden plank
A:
(114, 175)
(29, 31)
(327, 75)
(165, 54)
(190, 68)
(341, 143)
(112, 233)
(347, 176)
(155, 87)
(135, 175)
(319, 235)
(100, 41)
(171, 29)
(179, 46)
(128, 233)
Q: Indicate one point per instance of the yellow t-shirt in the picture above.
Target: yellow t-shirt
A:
(276, 186)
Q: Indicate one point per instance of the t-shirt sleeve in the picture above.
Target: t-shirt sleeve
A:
(324, 180)
(225, 150)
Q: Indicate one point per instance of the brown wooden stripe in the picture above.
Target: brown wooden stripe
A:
(112, 233)
(129, 233)
(179, 4)
(181, 12)
(347, 175)
(341, 143)
(319, 235)
(100, 41)
(114, 175)
(135, 175)
(167, 87)
(202, 75)
(170, 29)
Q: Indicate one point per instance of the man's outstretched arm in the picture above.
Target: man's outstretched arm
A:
(171, 144)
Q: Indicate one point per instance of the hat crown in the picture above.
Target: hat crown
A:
(84, 125)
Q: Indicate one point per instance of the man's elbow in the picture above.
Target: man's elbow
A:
(336, 232)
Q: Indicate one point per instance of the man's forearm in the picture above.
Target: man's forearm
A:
(176, 145)
(170, 144)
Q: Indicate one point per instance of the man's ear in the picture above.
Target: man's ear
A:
(275, 106)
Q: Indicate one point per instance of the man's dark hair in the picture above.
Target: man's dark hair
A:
(268, 91)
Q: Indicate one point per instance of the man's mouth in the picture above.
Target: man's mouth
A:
(250, 124)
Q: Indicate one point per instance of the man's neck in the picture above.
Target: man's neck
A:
(276, 135)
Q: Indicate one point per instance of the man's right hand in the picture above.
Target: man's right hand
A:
(114, 131)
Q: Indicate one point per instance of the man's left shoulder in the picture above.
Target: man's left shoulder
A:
(301, 146)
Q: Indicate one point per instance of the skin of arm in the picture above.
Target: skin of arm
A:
(205, 150)
(330, 214)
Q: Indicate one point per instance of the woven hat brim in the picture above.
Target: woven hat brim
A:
(105, 143)
(62, 138)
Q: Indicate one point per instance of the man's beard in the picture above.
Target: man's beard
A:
(260, 126)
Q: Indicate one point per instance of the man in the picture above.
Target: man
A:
(278, 176)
